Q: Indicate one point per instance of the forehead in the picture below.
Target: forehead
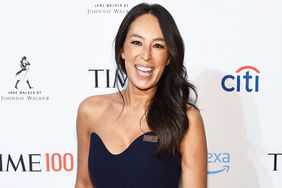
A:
(147, 26)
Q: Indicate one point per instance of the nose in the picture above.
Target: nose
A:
(146, 53)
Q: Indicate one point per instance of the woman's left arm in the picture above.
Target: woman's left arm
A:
(194, 153)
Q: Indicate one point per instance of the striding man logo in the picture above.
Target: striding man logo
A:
(22, 74)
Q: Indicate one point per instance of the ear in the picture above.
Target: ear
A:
(122, 54)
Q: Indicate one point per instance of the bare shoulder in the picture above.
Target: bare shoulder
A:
(89, 112)
(195, 135)
(91, 103)
(95, 105)
(194, 116)
(93, 108)
(194, 152)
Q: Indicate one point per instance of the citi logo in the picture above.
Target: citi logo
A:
(247, 76)
(218, 163)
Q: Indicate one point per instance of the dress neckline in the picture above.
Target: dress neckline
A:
(128, 148)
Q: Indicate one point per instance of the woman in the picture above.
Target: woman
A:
(149, 135)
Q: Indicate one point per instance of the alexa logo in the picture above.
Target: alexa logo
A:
(246, 79)
(218, 163)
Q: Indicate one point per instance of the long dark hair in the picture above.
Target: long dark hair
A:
(166, 114)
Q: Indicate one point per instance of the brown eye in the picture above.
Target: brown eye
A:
(158, 46)
(135, 42)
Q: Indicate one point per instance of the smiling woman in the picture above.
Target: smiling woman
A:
(145, 52)
(150, 134)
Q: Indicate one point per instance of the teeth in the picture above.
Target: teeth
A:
(144, 69)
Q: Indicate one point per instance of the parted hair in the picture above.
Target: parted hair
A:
(167, 112)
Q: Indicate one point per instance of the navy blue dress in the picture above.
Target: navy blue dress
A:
(136, 167)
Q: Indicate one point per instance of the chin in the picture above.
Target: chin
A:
(144, 86)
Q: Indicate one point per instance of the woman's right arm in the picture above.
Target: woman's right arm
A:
(83, 179)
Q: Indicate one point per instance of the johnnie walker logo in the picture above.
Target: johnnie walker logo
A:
(23, 89)
(22, 74)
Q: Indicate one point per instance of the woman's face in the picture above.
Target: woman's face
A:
(145, 52)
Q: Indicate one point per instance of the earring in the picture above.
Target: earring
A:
(168, 62)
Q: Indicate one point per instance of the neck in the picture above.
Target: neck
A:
(136, 98)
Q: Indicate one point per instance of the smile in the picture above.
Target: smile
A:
(144, 72)
(144, 69)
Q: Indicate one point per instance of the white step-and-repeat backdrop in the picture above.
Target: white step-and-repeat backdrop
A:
(233, 56)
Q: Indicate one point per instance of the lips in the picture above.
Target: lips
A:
(144, 71)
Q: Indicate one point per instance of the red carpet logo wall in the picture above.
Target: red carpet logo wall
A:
(56, 53)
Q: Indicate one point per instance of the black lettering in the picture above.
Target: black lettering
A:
(96, 81)
(32, 162)
(21, 161)
(108, 78)
(1, 166)
(275, 160)
(121, 79)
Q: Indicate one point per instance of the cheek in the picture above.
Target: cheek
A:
(130, 53)
(161, 59)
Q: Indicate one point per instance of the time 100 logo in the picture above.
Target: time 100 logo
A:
(35, 162)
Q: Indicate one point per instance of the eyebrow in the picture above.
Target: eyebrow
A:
(155, 39)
